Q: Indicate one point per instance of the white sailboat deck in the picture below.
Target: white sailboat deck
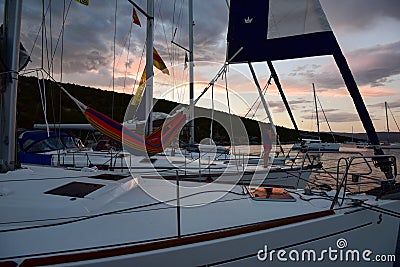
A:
(34, 222)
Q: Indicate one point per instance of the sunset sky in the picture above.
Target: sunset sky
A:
(367, 31)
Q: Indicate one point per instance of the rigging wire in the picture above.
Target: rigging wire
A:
(38, 33)
(393, 117)
(62, 28)
(125, 210)
(51, 37)
(168, 45)
(164, 31)
(326, 119)
(175, 52)
(212, 112)
(138, 69)
(388, 212)
(113, 69)
(50, 63)
(42, 92)
(43, 17)
(127, 56)
(259, 103)
(225, 77)
(61, 61)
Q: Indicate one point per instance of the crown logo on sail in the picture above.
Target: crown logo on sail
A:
(248, 20)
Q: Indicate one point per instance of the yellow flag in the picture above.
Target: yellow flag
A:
(139, 92)
(159, 64)
(83, 2)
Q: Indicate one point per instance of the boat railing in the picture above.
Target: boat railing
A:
(79, 159)
(332, 169)
(359, 178)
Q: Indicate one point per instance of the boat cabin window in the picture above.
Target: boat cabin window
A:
(70, 142)
(75, 189)
(50, 144)
(111, 177)
(45, 145)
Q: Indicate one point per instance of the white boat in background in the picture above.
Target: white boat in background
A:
(63, 150)
(313, 145)
(57, 217)
(389, 145)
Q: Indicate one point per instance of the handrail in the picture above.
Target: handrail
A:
(343, 183)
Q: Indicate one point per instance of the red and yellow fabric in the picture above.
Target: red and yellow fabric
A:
(135, 17)
(136, 143)
(158, 62)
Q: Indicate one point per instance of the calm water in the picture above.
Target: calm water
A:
(359, 166)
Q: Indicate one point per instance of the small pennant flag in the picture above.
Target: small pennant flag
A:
(186, 60)
(135, 17)
(83, 2)
(159, 63)
(139, 92)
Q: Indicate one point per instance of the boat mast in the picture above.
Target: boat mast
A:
(285, 102)
(148, 93)
(387, 121)
(316, 111)
(11, 43)
(352, 134)
(191, 78)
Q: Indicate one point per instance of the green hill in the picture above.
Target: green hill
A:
(61, 109)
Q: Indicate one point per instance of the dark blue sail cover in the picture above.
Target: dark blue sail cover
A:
(277, 30)
(268, 30)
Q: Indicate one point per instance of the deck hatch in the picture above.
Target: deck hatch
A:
(271, 194)
(107, 176)
(75, 189)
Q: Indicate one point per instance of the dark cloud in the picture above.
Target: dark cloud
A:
(377, 64)
(373, 66)
(89, 35)
(89, 32)
(347, 16)
(336, 116)
(391, 104)
(296, 104)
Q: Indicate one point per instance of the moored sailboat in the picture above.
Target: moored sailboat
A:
(388, 144)
(309, 144)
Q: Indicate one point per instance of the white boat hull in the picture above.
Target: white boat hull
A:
(120, 225)
(318, 147)
(391, 146)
